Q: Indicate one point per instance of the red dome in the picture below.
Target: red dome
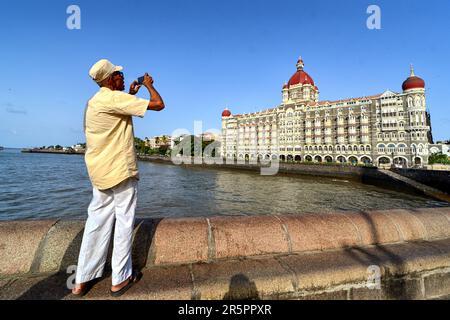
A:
(301, 77)
(226, 113)
(413, 83)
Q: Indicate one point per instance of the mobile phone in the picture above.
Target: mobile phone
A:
(140, 80)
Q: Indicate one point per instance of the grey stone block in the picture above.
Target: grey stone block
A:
(437, 285)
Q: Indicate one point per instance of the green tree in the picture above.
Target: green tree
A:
(193, 140)
(140, 145)
(438, 158)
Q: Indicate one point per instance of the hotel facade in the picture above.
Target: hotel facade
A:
(384, 129)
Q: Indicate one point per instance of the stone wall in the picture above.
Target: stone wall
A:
(305, 256)
(53, 245)
(433, 178)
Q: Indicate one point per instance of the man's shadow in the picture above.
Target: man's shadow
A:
(55, 287)
(241, 288)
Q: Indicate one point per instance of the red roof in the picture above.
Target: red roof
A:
(301, 77)
(226, 113)
(413, 83)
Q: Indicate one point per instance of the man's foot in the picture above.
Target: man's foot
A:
(118, 290)
(80, 289)
(121, 285)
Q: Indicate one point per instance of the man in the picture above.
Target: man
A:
(111, 163)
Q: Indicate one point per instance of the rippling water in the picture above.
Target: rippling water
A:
(37, 186)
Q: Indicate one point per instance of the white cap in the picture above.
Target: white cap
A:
(102, 69)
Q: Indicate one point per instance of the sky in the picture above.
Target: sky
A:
(205, 55)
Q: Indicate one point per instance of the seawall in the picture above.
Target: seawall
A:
(280, 256)
(438, 179)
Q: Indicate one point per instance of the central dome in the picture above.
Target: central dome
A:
(300, 77)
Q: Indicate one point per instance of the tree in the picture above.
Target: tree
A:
(162, 150)
(193, 140)
(438, 158)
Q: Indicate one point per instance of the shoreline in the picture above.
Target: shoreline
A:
(51, 151)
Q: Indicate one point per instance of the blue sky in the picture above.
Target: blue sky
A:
(206, 55)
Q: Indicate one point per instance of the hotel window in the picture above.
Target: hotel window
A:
(391, 148)
(381, 148)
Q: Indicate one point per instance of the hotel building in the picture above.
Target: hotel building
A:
(384, 129)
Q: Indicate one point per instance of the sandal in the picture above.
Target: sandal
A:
(85, 289)
(134, 278)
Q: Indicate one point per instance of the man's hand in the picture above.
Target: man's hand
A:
(148, 80)
(134, 88)
(156, 103)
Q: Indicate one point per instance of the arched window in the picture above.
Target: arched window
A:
(401, 148)
(341, 159)
(420, 148)
(391, 148)
(381, 148)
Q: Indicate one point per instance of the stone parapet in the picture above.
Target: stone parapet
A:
(33, 247)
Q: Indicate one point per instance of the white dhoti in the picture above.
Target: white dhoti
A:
(117, 205)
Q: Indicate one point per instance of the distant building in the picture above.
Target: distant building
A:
(383, 129)
(209, 136)
(78, 148)
(159, 141)
(440, 148)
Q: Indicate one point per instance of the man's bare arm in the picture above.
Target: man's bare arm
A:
(156, 103)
